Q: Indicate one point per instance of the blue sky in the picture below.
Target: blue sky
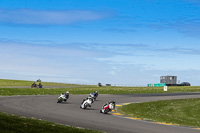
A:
(121, 42)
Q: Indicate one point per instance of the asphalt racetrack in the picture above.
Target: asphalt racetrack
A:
(69, 113)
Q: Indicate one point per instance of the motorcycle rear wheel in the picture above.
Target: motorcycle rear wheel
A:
(106, 110)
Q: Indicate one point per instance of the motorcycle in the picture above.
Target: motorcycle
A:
(94, 95)
(61, 98)
(108, 107)
(87, 103)
(34, 85)
(40, 85)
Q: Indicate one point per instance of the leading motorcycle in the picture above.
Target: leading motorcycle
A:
(108, 107)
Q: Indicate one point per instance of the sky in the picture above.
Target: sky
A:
(117, 42)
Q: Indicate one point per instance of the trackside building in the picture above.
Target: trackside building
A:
(165, 81)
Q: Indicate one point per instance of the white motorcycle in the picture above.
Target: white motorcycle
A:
(87, 102)
(61, 98)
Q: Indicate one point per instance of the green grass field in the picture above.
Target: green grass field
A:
(7, 82)
(6, 89)
(183, 112)
(89, 89)
(16, 124)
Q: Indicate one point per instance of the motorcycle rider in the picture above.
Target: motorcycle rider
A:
(99, 84)
(92, 99)
(96, 93)
(66, 95)
(109, 106)
(40, 85)
(110, 102)
(34, 85)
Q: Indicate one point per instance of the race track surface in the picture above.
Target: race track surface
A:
(69, 113)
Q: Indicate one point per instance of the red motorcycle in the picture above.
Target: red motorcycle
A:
(108, 107)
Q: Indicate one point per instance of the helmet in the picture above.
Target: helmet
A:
(113, 102)
(67, 91)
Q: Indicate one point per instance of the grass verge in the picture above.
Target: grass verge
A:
(101, 90)
(7, 82)
(16, 124)
(182, 112)
(82, 89)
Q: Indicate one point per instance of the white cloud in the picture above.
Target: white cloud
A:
(41, 17)
(112, 73)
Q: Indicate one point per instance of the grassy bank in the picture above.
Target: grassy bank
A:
(6, 82)
(183, 112)
(16, 124)
(6, 89)
(101, 90)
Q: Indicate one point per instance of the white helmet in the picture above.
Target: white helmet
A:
(67, 91)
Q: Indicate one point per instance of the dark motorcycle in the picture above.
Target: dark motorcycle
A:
(40, 85)
(94, 94)
(34, 85)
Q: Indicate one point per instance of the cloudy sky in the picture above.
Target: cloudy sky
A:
(121, 42)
